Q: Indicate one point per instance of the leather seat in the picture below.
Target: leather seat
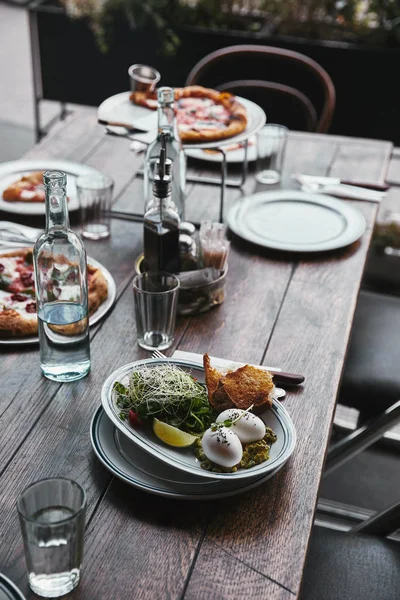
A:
(346, 566)
(371, 379)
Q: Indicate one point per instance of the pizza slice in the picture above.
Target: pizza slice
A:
(28, 188)
(18, 312)
(203, 115)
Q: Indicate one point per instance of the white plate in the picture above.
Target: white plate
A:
(8, 590)
(12, 171)
(144, 472)
(93, 319)
(184, 459)
(232, 156)
(296, 221)
(119, 109)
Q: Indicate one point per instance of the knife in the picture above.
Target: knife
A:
(336, 181)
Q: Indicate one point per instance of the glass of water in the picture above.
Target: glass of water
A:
(52, 518)
(271, 143)
(156, 300)
(95, 193)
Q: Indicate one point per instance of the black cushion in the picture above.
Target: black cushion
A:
(371, 379)
(345, 566)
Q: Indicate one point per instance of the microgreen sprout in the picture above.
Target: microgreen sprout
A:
(229, 422)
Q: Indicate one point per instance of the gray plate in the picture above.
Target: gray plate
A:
(119, 109)
(145, 472)
(183, 458)
(13, 170)
(95, 317)
(8, 590)
(296, 221)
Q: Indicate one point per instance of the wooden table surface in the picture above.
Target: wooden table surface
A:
(289, 310)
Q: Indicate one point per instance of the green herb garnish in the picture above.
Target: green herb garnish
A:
(168, 393)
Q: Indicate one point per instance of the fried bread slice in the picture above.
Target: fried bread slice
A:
(242, 388)
(249, 386)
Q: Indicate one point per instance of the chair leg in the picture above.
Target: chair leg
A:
(361, 438)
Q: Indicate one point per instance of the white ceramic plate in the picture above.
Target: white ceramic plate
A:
(184, 459)
(145, 472)
(232, 156)
(8, 590)
(296, 221)
(95, 317)
(12, 171)
(119, 109)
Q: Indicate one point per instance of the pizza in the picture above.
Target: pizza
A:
(203, 115)
(18, 316)
(28, 188)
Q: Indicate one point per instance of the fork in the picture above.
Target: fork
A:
(158, 354)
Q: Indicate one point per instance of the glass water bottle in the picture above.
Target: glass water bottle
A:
(174, 151)
(61, 289)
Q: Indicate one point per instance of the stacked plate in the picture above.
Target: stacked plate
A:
(139, 458)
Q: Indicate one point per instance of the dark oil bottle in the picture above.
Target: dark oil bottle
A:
(161, 224)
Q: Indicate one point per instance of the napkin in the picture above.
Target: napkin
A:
(14, 234)
(218, 363)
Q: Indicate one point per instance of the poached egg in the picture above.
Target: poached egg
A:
(222, 446)
(248, 428)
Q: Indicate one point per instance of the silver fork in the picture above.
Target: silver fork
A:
(158, 354)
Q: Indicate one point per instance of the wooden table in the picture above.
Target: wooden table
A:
(291, 311)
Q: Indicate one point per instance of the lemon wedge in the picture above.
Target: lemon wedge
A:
(172, 435)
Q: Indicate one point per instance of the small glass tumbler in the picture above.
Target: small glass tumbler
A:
(271, 143)
(52, 518)
(143, 78)
(95, 193)
(156, 299)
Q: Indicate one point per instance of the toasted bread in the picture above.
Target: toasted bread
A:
(242, 388)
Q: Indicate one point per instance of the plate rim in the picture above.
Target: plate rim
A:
(103, 309)
(161, 452)
(18, 595)
(348, 212)
(38, 164)
(249, 104)
(198, 154)
(95, 424)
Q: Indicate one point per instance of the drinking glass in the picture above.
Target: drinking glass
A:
(156, 299)
(143, 78)
(271, 142)
(95, 194)
(52, 518)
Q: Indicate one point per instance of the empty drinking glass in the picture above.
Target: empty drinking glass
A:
(95, 194)
(156, 299)
(52, 518)
(271, 143)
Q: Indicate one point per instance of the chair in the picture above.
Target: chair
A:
(292, 88)
(357, 565)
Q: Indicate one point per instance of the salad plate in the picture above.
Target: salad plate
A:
(143, 471)
(184, 459)
(8, 590)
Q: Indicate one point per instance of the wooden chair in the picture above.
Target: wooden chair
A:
(293, 89)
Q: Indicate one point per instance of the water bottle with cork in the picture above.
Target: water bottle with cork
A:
(61, 289)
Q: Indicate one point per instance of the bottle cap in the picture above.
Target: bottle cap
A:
(55, 179)
(165, 95)
(162, 187)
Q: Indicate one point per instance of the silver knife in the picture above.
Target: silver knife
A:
(301, 178)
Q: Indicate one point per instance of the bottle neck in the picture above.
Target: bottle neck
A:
(56, 208)
(166, 119)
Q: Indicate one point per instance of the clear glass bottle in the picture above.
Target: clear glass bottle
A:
(59, 259)
(167, 128)
(161, 223)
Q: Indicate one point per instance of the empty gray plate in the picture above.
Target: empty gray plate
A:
(296, 221)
